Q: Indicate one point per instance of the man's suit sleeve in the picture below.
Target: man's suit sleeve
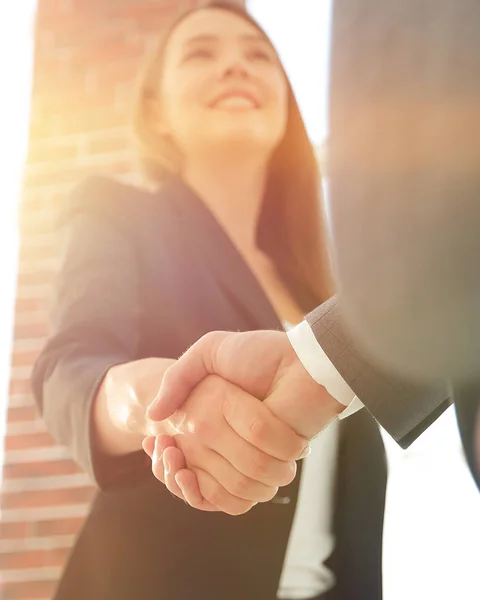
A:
(467, 406)
(404, 409)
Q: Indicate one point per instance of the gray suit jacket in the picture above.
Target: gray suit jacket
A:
(404, 166)
(404, 163)
(403, 408)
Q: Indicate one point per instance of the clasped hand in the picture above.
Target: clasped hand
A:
(238, 410)
(227, 451)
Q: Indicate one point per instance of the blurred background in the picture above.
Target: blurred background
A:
(67, 69)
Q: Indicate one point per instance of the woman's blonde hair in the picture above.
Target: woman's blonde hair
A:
(292, 226)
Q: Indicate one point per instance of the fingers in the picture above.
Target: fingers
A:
(188, 483)
(250, 360)
(180, 379)
(204, 425)
(148, 445)
(223, 488)
(155, 447)
(234, 482)
(218, 496)
(242, 456)
(255, 423)
(164, 445)
(173, 461)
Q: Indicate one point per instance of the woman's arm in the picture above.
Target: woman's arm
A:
(81, 378)
(93, 390)
(119, 416)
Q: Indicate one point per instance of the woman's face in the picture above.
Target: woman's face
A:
(222, 87)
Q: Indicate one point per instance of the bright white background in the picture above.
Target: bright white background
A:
(16, 53)
(432, 529)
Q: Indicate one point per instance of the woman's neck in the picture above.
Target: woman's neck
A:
(233, 192)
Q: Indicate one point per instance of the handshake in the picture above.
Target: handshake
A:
(232, 416)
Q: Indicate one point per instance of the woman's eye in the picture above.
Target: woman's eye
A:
(199, 54)
(261, 55)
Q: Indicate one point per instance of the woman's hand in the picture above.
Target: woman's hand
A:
(119, 418)
(231, 444)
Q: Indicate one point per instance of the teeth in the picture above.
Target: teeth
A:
(235, 102)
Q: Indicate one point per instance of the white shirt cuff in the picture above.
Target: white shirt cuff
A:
(321, 368)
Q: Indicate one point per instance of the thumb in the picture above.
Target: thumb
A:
(148, 445)
(188, 371)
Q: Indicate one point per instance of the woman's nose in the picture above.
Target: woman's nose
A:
(235, 67)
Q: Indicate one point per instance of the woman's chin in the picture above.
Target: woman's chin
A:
(234, 140)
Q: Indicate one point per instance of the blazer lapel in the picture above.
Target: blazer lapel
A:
(221, 257)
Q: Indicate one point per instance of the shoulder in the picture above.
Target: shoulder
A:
(105, 199)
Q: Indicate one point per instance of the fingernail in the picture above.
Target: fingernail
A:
(180, 485)
(166, 466)
(306, 452)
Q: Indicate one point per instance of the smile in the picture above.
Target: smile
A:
(235, 101)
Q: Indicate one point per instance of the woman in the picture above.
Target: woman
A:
(229, 239)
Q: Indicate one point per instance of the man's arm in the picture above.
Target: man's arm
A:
(404, 180)
(467, 406)
(264, 364)
(404, 409)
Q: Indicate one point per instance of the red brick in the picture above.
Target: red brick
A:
(27, 441)
(75, 101)
(88, 54)
(117, 73)
(33, 559)
(32, 201)
(58, 527)
(46, 151)
(24, 358)
(108, 144)
(10, 531)
(40, 469)
(62, 21)
(33, 590)
(22, 414)
(146, 12)
(19, 386)
(35, 252)
(42, 127)
(28, 332)
(112, 51)
(24, 305)
(93, 120)
(35, 277)
(40, 498)
(53, 8)
(71, 35)
(55, 176)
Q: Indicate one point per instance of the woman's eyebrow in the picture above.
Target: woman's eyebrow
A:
(249, 37)
(201, 38)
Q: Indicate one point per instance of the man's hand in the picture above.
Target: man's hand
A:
(239, 452)
(262, 363)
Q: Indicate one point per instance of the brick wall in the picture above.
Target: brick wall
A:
(87, 53)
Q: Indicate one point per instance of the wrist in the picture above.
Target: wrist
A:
(303, 403)
(129, 389)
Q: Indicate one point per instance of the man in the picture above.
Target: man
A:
(405, 189)
(404, 178)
